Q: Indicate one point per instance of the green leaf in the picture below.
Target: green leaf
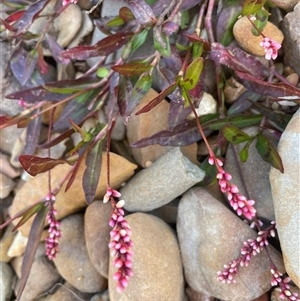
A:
(192, 74)
(261, 20)
(268, 152)
(117, 21)
(102, 72)
(252, 6)
(131, 69)
(161, 42)
(139, 39)
(140, 89)
(197, 49)
(244, 153)
(91, 174)
(234, 135)
(239, 121)
(34, 238)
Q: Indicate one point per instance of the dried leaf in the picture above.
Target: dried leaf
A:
(142, 12)
(35, 165)
(267, 89)
(34, 238)
(91, 174)
(268, 152)
(131, 69)
(238, 60)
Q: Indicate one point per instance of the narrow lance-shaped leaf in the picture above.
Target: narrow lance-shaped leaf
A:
(30, 63)
(140, 89)
(252, 6)
(161, 42)
(139, 39)
(263, 88)
(244, 153)
(234, 135)
(131, 69)
(91, 174)
(34, 238)
(35, 165)
(154, 102)
(192, 74)
(28, 214)
(268, 152)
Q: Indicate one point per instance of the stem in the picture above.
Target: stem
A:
(107, 152)
(49, 149)
(208, 19)
(200, 18)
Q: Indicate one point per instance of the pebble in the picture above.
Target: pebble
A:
(163, 181)
(146, 125)
(287, 5)
(73, 200)
(210, 236)
(156, 262)
(250, 43)
(5, 243)
(291, 43)
(286, 190)
(17, 248)
(96, 232)
(6, 281)
(73, 261)
(6, 185)
(254, 168)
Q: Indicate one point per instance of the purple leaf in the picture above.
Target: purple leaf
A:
(160, 5)
(91, 174)
(34, 239)
(238, 60)
(243, 103)
(124, 92)
(226, 19)
(35, 165)
(177, 114)
(30, 15)
(104, 47)
(169, 28)
(267, 89)
(56, 50)
(142, 12)
(33, 135)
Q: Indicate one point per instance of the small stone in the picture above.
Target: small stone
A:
(163, 181)
(210, 235)
(101, 297)
(17, 248)
(110, 8)
(196, 296)
(233, 90)
(156, 263)
(42, 276)
(96, 231)
(6, 168)
(73, 200)
(6, 185)
(287, 5)
(73, 262)
(291, 43)
(5, 243)
(145, 125)
(6, 281)
(208, 105)
(254, 168)
(286, 190)
(85, 29)
(293, 79)
(249, 42)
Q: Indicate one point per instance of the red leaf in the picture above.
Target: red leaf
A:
(131, 69)
(153, 103)
(7, 25)
(268, 89)
(15, 16)
(126, 14)
(36, 165)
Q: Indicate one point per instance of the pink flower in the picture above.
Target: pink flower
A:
(65, 2)
(271, 48)
(120, 246)
(110, 193)
(52, 240)
(238, 202)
